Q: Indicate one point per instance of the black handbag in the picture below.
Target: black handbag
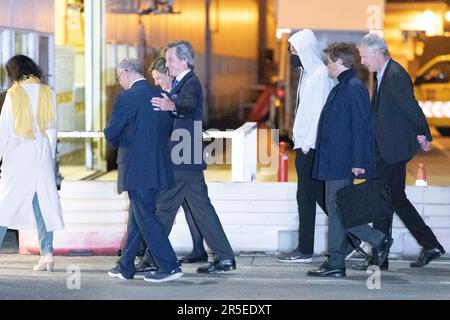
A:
(364, 203)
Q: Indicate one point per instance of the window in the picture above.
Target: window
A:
(4, 56)
(122, 52)
(20, 43)
(2, 66)
(44, 57)
(133, 52)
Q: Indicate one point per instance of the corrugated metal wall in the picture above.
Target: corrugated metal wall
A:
(234, 24)
(234, 27)
(36, 15)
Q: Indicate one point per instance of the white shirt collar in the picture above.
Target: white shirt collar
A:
(381, 72)
(181, 75)
(140, 79)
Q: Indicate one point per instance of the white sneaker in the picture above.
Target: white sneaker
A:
(115, 273)
(295, 257)
(163, 276)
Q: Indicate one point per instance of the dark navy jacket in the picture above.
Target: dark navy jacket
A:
(187, 137)
(142, 138)
(345, 138)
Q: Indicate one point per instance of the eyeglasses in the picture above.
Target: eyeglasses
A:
(120, 74)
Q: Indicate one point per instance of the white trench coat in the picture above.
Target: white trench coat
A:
(27, 168)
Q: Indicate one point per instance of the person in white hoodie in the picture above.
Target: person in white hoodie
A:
(312, 92)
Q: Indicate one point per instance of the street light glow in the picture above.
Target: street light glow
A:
(429, 22)
(280, 32)
(447, 16)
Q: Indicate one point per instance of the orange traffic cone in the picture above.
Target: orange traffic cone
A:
(421, 180)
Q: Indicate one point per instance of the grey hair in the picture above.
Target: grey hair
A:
(131, 64)
(375, 42)
(184, 51)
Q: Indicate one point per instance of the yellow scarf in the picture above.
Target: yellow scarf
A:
(22, 111)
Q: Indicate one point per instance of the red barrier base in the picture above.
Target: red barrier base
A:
(74, 243)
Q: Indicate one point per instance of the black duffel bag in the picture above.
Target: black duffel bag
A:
(364, 203)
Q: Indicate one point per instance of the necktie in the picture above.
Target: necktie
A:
(174, 84)
(375, 90)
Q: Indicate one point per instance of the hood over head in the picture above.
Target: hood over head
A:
(307, 47)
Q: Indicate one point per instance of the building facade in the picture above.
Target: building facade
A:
(79, 43)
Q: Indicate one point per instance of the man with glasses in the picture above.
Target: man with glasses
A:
(141, 135)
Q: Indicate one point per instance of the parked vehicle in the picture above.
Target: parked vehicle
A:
(432, 90)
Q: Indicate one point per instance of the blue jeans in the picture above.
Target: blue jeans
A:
(45, 237)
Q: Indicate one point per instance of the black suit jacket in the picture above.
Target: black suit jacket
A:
(187, 137)
(141, 135)
(397, 116)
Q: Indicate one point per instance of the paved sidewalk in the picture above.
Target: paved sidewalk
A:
(257, 277)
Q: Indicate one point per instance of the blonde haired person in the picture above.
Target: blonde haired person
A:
(160, 74)
(28, 194)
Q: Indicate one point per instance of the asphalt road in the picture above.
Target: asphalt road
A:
(257, 277)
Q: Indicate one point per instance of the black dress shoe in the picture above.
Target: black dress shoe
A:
(326, 271)
(381, 252)
(426, 256)
(364, 265)
(218, 266)
(192, 259)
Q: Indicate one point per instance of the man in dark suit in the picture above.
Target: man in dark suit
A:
(344, 150)
(186, 102)
(400, 130)
(160, 74)
(141, 135)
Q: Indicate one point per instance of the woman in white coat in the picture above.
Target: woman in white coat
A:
(28, 195)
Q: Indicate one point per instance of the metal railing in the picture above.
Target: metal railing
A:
(244, 145)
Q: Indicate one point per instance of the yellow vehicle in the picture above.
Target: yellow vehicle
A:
(432, 90)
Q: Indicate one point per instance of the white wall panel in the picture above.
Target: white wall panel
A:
(255, 217)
